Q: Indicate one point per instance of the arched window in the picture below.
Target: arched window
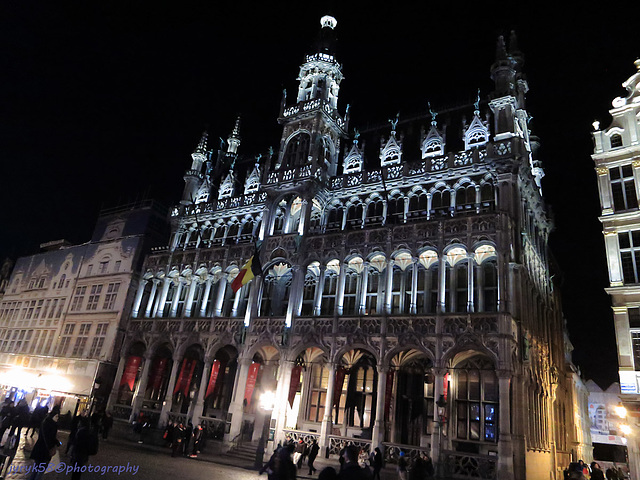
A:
(477, 401)
(616, 141)
(354, 216)
(427, 290)
(418, 204)
(352, 282)
(334, 218)
(310, 286)
(440, 202)
(375, 210)
(487, 198)
(466, 198)
(330, 289)
(457, 280)
(486, 284)
(395, 210)
(297, 151)
(375, 285)
(232, 233)
(401, 283)
(279, 218)
(275, 290)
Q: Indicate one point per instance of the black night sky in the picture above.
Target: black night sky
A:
(102, 103)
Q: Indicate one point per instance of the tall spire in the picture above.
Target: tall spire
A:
(199, 155)
(234, 139)
(326, 42)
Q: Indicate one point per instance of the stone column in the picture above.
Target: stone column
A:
(222, 287)
(317, 301)
(282, 392)
(388, 291)
(188, 302)
(479, 283)
(141, 388)
(340, 289)
(327, 422)
(363, 289)
(442, 284)
(415, 270)
(205, 297)
(437, 442)
(236, 408)
(305, 216)
(470, 267)
(152, 297)
(176, 298)
(138, 299)
(168, 398)
(295, 293)
(158, 310)
(377, 434)
(236, 302)
(196, 412)
(116, 383)
(505, 449)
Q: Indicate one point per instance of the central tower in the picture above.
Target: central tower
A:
(313, 126)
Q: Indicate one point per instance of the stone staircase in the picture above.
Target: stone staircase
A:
(243, 454)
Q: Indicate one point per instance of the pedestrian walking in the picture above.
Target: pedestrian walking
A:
(298, 452)
(72, 432)
(596, 471)
(402, 466)
(21, 416)
(176, 441)
(6, 414)
(85, 444)
(187, 443)
(47, 444)
(313, 453)
(351, 469)
(107, 424)
(376, 463)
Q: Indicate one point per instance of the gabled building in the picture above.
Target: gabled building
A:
(64, 311)
(617, 161)
(405, 299)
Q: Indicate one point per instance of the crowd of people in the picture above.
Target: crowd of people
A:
(186, 441)
(583, 471)
(355, 464)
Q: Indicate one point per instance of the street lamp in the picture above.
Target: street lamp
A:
(442, 421)
(620, 411)
(267, 402)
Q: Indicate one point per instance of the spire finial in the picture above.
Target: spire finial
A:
(501, 49)
(202, 145)
(476, 104)
(328, 21)
(236, 128)
(433, 115)
(394, 123)
(356, 136)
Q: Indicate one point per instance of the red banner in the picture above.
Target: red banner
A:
(445, 386)
(251, 382)
(337, 387)
(213, 378)
(388, 393)
(294, 384)
(130, 372)
(180, 383)
(157, 372)
(187, 383)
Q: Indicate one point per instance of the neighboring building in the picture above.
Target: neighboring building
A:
(406, 298)
(617, 160)
(64, 310)
(609, 442)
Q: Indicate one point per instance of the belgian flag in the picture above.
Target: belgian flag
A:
(251, 269)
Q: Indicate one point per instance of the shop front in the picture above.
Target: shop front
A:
(48, 381)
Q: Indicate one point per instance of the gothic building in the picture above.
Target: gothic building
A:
(405, 299)
(617, 162)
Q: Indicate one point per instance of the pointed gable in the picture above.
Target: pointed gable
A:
(354, 160)
(252, 183)
(391, 152)
(433, 142)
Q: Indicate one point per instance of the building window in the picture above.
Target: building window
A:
(629, 243)
(116, 267)
(319, 382)
(98, 340)
(81, 341)
(94, 297)
(110, 297)
(616, 141)
(63, 346)
(78, 298)
(297, 151)
(477, 401)
(103, 267)
(623, 188)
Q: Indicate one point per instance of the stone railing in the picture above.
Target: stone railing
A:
(177, 417)
(392, 451)
(336, 444)
(297, 435)
(122, 412)
(468, 465)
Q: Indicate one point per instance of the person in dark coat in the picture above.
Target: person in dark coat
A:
(313, 453)
(47, 443)
(280, 466)
(107, 424)
(351, 469)
(6, 414)
(72, 431)
(21, 416)
(37, 417)
(376, 463)
(176, 441)
(85, 444)
(596, 472)
(187, 443)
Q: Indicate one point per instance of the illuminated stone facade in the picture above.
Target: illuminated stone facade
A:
(398, 270)
(617, 161)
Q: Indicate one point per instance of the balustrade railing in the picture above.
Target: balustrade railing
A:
(469, 465)
(392, 451)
